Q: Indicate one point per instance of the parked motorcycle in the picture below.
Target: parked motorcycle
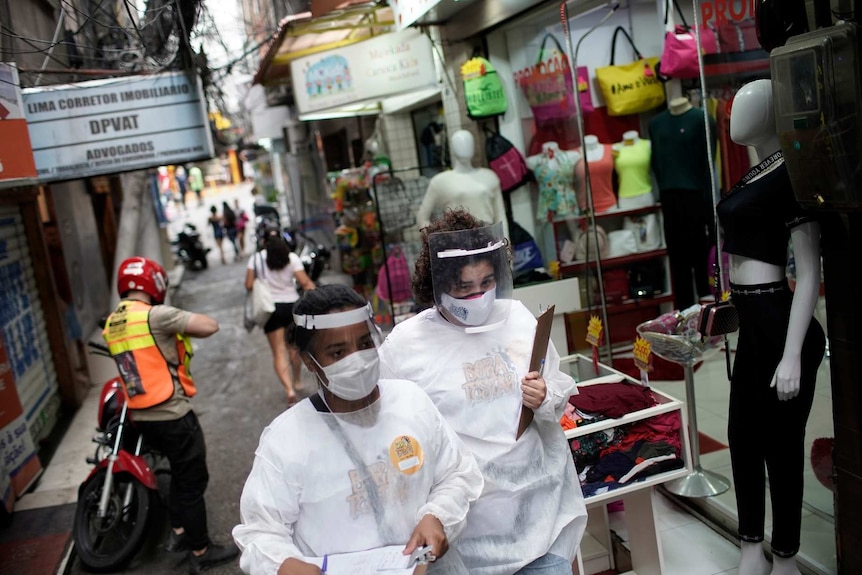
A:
(115, 500)
(189, 249)
(314, 257)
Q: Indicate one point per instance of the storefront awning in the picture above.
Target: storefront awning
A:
(304, 34)
(393, 105)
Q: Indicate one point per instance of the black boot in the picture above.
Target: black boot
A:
(214, 555)
(176, 542)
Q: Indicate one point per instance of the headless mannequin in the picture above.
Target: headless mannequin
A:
(554, 169)
(477, 190)
(632, 157)
(601, 164)
(680, 163)
(752, 124)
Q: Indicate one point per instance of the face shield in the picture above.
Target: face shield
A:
(472, 277)
(344, 346)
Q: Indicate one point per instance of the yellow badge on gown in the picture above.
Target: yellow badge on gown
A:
(406, 454)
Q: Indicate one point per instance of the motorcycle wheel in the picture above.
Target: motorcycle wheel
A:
(105, 544)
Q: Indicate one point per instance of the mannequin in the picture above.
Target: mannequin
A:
(772, 387)
(475, 189)
(680, 164)
(601, 160)
(554, 169)
(632, 163)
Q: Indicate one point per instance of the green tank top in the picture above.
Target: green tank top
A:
(632, 164)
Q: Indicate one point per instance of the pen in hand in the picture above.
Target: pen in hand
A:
(542, 367)
(323, 567)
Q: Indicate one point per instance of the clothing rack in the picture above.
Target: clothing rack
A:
(376, 179)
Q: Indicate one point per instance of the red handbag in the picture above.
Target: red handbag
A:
(738, 36)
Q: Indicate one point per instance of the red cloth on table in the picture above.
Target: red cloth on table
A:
(613, 399)
(664, 427)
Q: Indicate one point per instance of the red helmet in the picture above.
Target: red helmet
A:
(144, 275)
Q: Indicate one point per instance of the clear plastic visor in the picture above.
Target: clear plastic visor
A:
(471, 276)
(339, 334)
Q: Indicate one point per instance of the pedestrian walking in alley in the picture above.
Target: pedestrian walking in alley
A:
(151, 344)
(377, 464)
(229, 221)
(182, 179)
(196, 182)
(241, 221)
(217, 224)
(281, 270)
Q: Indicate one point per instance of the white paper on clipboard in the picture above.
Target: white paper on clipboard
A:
(540, 350)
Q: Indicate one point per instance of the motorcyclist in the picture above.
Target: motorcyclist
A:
(150, 343)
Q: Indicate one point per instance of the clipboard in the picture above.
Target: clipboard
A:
(540, 349)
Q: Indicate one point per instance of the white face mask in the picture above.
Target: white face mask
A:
(353, 377)
(472, 312)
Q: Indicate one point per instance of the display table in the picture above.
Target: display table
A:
(637, 496)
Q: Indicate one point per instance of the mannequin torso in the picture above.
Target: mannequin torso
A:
(601, 165)
(555, 172)
(632, 163)
(475, 189)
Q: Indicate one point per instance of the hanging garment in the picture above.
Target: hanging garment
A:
(601, 181)
(531, 503)
(358, 480)
(556, 186)
(632, 164)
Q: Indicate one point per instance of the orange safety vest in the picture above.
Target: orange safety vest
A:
(149, 377)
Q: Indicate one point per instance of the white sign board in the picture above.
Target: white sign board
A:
(406, 12)
(384, 66)
(116, 125)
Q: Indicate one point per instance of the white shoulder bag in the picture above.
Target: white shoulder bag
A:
(262, 304)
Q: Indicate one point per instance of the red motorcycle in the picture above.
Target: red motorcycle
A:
(115, 500)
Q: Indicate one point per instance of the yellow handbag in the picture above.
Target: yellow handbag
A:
(630, 88)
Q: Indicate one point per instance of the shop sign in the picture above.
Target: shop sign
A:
(117, 125)
(718, 12)
(406, 12)
(16, 156)
(377, 68)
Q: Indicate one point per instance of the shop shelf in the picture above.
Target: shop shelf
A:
(577, 267)
(611, 214)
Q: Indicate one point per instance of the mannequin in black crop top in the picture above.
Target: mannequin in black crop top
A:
(780, 344)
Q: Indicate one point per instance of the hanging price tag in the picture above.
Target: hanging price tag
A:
(725, 296)
(594, 338)
(643, 359)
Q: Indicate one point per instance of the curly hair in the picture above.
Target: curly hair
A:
(325, 299)
(452, 220)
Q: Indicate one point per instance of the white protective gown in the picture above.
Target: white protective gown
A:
(305, 495)
(532, 502)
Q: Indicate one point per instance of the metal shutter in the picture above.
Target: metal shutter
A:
(23, 327)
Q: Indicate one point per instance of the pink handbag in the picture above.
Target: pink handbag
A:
(679, 57)
(548, 85)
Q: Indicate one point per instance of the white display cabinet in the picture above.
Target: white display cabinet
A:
(595, 553)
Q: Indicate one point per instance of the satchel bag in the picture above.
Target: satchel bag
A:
(646, 229)
(622, 243)
(506, 162)
(586, 245)
(548, 85)
(483, 89)
(248, 314)
(630, 88)
(262, 304)
(395, 288)
(679, 57)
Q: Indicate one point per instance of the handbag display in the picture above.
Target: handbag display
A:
(586, 245)
(622, 243)
(483, 89)
(646, 229)
(548, 85)
(262, 304)
(506, 161)
(679, 57)
(584, 95)
(630, 88)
